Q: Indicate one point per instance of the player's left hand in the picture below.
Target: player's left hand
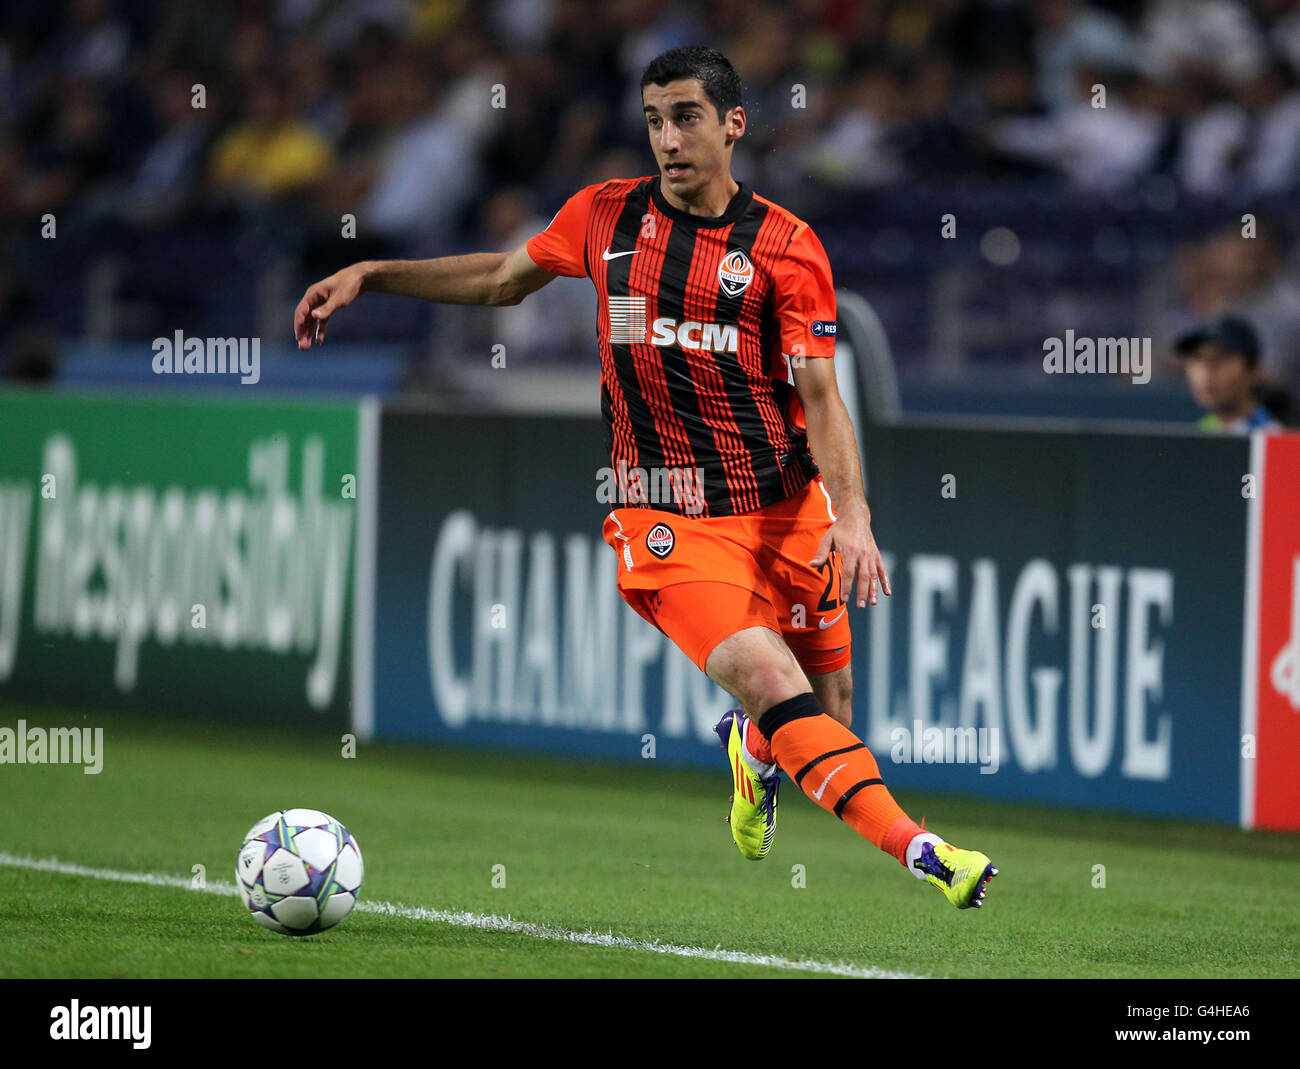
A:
(851, 537)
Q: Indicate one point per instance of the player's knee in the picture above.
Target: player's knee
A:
(757, 668)
(768, 685)
(764, 686)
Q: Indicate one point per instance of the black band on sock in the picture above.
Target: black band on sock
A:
(844, 798)
(798, 778)
(782, 713)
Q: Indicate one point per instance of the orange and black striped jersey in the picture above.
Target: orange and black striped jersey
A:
(698, 319)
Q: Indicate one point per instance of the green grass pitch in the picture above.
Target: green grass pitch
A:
(636, 850)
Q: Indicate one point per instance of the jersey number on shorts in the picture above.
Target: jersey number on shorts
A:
(831, 565)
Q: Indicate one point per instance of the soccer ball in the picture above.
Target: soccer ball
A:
(299, 871)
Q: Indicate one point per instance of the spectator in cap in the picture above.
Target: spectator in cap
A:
(1221, 360)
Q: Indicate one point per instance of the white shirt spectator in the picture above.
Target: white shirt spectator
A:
(1274, 162)
(1099, 149)
(856, 152)
(1213, 143)
(1220, 34)
(426, 175)
(1090, 38)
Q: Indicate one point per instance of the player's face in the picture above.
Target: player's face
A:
(690, 145)
(1220, 380)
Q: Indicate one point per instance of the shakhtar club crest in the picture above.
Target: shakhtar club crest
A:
(735, 273)
(660, 540)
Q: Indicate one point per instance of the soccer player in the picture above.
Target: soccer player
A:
(717, 332)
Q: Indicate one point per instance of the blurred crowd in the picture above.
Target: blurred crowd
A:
(442, 125)
(410, 113)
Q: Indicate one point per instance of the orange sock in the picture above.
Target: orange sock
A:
(836, 770)
(759, 748)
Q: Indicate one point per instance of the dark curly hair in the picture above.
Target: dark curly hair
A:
(712, 69)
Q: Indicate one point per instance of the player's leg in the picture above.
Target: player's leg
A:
(747, 749)
(697, 581)
(834, 691)
(756, 775)
(833, 766)
(756, 666)
(697, 616)
(733, 633)
(818, 749)
(824, 758)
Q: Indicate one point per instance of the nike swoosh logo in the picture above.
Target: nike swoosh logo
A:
(818, 796)
(824, 624)
(607, 255)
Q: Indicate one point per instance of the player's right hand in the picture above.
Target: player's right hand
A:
(321, 301)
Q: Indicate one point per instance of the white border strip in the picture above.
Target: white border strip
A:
(484, 922)
(1250, 631)
(363, 587)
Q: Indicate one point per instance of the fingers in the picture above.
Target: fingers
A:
(313, 313)
(872, 580)
(305, 323)
(302, 329)
(876, 580)
(863, 580)
(337, 291)
(823, 550)
(866, 570)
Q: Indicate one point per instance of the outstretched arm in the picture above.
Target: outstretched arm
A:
(489, 278)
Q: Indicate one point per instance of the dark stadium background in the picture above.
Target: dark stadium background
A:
(1122, 218)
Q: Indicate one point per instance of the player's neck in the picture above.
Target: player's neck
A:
(711, 201)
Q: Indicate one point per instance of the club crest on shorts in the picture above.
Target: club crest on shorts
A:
(660, 540)
(735, 273)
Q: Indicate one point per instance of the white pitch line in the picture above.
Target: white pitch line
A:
(488, 922)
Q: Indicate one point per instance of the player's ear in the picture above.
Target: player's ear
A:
(735, 124)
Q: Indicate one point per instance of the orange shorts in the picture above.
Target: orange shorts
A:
(700, 580)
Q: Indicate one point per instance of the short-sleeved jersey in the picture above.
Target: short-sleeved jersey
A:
(698, 319)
